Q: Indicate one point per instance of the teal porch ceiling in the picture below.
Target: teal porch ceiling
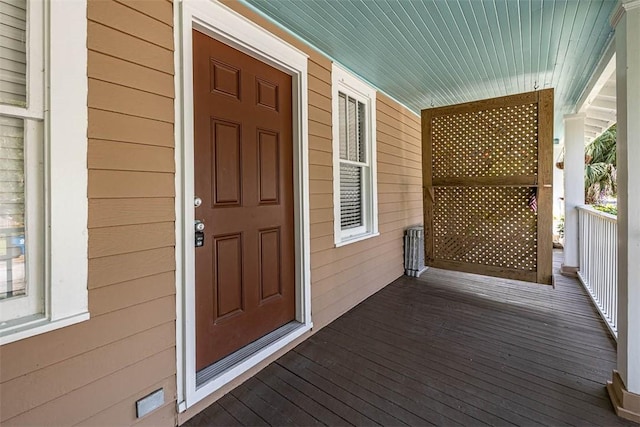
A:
(439, 52)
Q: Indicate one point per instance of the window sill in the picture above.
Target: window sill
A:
(37, 325)
(354, 239)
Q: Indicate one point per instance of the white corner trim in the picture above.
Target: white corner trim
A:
(180, 226)
(574, 116)
(622, 7)
(68, 175)
(224, 24)
(604, 70)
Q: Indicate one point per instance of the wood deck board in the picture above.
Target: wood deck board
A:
(494, 395)
(271, 397)
(409, 389)
(350, 396)
(479, 365)
(452, 372)
(503, 339)
(214, 414)
(311, 392)
(274, 380)
(238, 410)
(251, 395)
(372, 392)
(448, 348)
(480, 371)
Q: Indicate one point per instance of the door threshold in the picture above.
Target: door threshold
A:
(219, 368)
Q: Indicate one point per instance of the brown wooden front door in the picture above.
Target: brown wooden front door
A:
(488, 186)
(243, 157)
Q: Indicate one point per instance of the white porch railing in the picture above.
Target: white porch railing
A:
(598, 236)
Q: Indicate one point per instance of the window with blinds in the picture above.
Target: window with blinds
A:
(352, 160)
(13, 93)
(354, 156)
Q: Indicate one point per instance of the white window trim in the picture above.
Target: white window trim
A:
(65, 169)
(347, 83)
(224, 24)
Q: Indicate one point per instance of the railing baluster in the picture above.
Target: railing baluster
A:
(598, 255)
(612, 241)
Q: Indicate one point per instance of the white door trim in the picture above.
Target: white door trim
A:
(222, 23)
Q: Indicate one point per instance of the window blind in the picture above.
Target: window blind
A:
(13, 52)
(12, 202)
(352, 131)
(342, 131)
(11, 170)
(352, 126)
(350, 196)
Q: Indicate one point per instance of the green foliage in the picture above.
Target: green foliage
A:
(603, 148)
(610, 209)
(600, 167)
(560, 227)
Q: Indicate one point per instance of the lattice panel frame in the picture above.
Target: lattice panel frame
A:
(482, 162)
(497, 142)
(465, 216)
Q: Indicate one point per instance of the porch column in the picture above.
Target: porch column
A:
(573, 188)
(624, 389)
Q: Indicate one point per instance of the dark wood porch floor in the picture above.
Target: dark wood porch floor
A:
(445, 349)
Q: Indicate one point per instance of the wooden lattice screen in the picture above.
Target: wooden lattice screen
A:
(484, 163)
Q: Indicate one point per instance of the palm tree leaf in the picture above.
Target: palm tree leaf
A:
(600, 166)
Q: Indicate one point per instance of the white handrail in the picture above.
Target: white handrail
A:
(598, 246)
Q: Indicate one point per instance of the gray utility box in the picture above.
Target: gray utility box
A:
(414, 251)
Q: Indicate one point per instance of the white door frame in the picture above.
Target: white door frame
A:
(222, 23)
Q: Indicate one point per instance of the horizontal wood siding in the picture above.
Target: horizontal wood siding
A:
(93, 372)
(342, 277)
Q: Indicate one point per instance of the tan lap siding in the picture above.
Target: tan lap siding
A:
(342, 277)
(92, 373)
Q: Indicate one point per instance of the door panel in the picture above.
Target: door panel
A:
(268, 153)
(227, 279)
(227, 164)
(270, 283)
(243, 158)
(488, 186)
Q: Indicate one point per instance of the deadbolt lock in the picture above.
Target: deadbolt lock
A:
(199, 235)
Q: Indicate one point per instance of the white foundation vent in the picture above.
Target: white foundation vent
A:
(414, 251)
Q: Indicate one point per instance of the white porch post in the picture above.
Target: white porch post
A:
(573, 188)
(624, 389)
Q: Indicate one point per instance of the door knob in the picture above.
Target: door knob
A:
(199, 225)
